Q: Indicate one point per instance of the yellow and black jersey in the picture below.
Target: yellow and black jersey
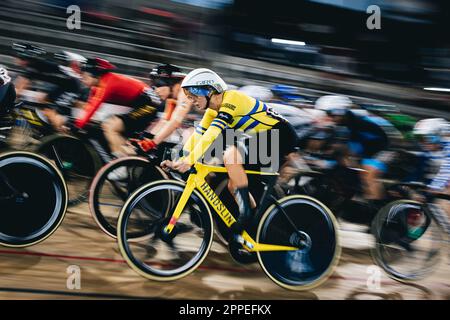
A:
(237, 111)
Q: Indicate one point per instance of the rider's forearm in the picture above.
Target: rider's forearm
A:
(191, 142)
(91, 107)
(166, 131)
(203, 144)
(175, 121)
(89, 111)
(200, 129)
(169, 108)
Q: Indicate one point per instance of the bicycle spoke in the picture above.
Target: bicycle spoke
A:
(118, 190)
(57, 158)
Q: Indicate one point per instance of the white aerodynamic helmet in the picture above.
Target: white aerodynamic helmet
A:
(4, 77)
(67, 57)
(437, 127)
(199, 82)
(257, 92)
(334, 104)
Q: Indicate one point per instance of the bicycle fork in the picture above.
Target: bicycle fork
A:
(190, 185)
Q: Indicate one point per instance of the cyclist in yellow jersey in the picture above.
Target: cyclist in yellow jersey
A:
(230, 109)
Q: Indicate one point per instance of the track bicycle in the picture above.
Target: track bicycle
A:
(295, 238)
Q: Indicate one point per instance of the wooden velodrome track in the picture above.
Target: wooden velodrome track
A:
(41, 272)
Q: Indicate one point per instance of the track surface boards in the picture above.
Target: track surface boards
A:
(41, 272)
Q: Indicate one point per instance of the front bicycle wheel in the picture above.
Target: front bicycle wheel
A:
(77, 161)
(33, 199)
(303, 222)
(112, 186)
(408, 240)
(160, 256)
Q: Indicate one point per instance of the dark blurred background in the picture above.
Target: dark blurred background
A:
(337, 53)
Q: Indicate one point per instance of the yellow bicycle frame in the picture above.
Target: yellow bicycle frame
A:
(31, 117)
(197, 181)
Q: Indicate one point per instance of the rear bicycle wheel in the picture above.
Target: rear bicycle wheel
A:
(307, 224)
(33, 198)
(108, 193)
(408, 240)
(157, 255)
(77, 161)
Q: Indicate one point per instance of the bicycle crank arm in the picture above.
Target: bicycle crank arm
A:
(252, 246)
(259, 247)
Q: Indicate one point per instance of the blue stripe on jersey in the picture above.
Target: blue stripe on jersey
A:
(220, 121)
(200, 130)
(251, 126)
(215, 125)
(219, 124)
(245, 118)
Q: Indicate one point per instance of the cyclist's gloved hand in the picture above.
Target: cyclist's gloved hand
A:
(181, 166)
(166, 165)
(145, 144)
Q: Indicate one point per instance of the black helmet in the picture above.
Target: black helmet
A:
(98, 66)
(166, 75)
(25, 50)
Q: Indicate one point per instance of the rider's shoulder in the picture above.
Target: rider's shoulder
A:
(366, 117)
(110, 76)
(229, 94)
(236, 98)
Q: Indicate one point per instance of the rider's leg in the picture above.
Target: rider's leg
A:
(374, 168)
(55, 119)
(372, 186)
(233, 189)
(238, 180)
(234, 164)
(113, 129)
(291, 167)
